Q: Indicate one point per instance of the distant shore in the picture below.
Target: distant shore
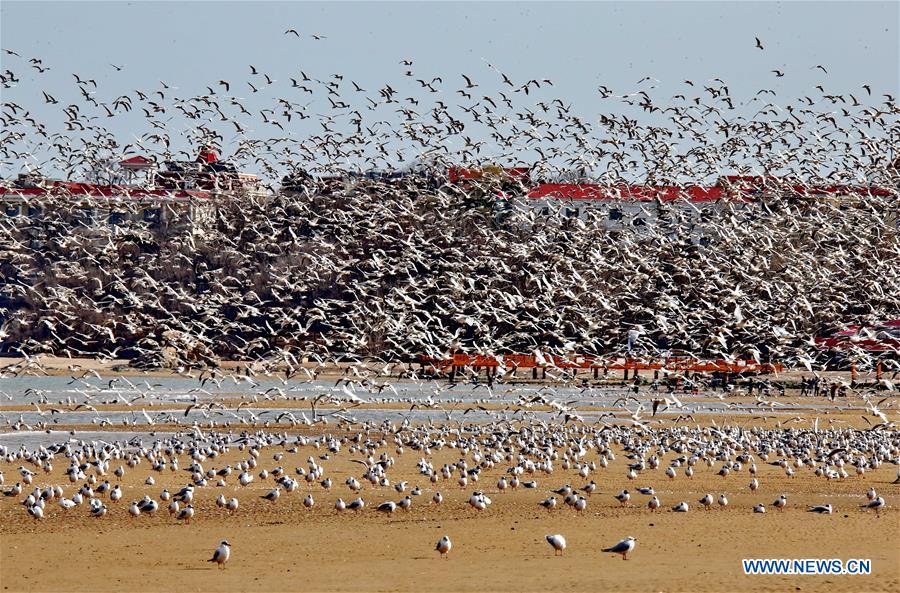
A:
(55, 366)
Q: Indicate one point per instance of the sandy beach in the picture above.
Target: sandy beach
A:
(283, 546)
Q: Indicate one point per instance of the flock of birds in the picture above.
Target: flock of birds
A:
(396, 268)
(522, 455)
(392, 268)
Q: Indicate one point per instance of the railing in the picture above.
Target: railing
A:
(529, 361)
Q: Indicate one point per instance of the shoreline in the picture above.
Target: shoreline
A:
(56, 366)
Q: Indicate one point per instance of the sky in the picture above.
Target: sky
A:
(578, 45)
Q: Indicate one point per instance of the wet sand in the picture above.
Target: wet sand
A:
(284, 547)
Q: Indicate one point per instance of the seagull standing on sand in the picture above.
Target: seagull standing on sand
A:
(222, 554)
(623, 547)
(876, 504)
(558, 542)
(443, 546)
(780, 502)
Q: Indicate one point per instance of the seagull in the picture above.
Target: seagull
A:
(760, 508)
(443, 546)
(780, 502)
(222, 554)
(681, 507)
(824, 509)
(558, 542)
(185, 514)
(877, 504)
(653, 503)
(272, 494)
(759, 43)
(623, 547)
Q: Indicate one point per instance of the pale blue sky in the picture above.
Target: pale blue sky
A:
(577, 45)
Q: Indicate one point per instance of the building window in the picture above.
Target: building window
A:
(34, 212)
(116, 218)
(615, 214)
(639, 222)
(571, 212)
(545, 211)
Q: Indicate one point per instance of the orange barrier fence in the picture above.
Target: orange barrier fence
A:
(529, 361)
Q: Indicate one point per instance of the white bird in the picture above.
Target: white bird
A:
(707, 501)
(308, 501)
(340, 505)
(437, 498)
(822, 509)
(222, 554)
(387, 507)
(653, 504)
(760, 508)
(876, 504)
(623, 547)
(185, 514)
(443, 546)
(232, 504)
(558, 542)
(780, 502)
(681, 507)
(754, 484)
(723, 501)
